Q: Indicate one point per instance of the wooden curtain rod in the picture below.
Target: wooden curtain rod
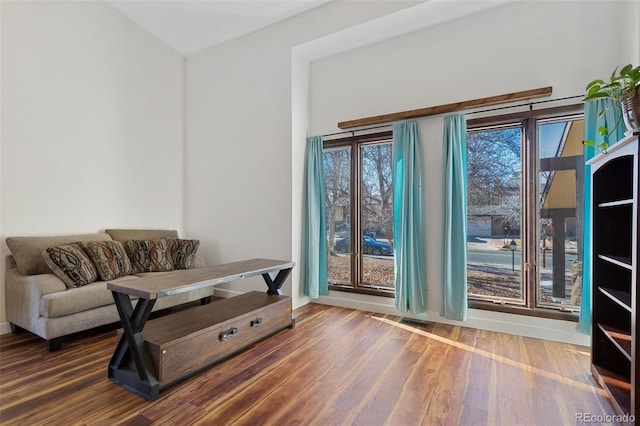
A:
(442, 109)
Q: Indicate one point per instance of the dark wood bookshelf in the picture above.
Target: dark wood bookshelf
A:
(622, 298)
(614, 277)
(621, 339)
(623, 261)
(618, 387)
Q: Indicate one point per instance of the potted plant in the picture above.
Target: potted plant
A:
(623, 89)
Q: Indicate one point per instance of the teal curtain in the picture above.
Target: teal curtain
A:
(315, 222)
(454, 292)
(407, 218)
(611, 119)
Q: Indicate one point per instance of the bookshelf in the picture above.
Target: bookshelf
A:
(614, 273)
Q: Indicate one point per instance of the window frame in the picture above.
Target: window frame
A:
(355, 142)
(528, 120)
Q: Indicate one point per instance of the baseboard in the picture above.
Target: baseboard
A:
(5, 328)
(540, 328)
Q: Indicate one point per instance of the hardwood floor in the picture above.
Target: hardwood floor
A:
(336, 367)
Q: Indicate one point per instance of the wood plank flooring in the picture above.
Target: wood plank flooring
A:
(336, 367)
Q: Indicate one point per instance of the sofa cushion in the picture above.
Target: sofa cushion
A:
(78, 299)
(71, 264)
(109, 257)
(149, 255)
(27, 251)
(183, 253)
(124, 235)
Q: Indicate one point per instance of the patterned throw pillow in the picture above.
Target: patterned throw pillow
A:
(109, 257)
(71, 264)
(149, 255)
(183, 252)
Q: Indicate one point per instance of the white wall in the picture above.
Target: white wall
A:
(631, 30)
(92, 123)
(238, 188)
(519, 46)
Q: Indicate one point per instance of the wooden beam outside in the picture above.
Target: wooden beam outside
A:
(442, 109)
(561, 163)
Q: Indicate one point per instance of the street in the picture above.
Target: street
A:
(503, 257)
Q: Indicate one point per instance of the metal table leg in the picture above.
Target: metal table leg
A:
(275, 284)
(142, 379)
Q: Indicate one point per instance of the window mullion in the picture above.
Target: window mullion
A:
(356, 267)
(530, 213)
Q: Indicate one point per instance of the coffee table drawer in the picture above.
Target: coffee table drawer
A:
(223, 334)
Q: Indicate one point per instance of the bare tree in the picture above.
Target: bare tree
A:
(377, 189)
(493, 173)
(337, 170)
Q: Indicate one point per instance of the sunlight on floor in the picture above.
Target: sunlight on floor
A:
(495, 357)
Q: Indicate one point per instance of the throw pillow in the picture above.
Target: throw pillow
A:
(183, 253)
(71, 264)
(109, 257)
(149, 255)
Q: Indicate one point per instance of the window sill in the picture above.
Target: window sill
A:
(518, 310)
(363, 290)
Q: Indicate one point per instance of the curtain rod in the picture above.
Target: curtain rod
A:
(523, 95)
(529, 104)
(357, 130)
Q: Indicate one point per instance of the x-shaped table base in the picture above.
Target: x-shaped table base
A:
(274, 284)
(142, 380)
(131, 365)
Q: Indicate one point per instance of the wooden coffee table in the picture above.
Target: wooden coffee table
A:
(177, 345)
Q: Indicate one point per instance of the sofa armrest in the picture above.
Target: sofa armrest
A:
(199, 262)
(23, 293)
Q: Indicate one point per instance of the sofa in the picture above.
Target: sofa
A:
(56, 287)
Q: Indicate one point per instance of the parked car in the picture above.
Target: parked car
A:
(369, 246)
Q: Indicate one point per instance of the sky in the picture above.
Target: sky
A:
(549, 138)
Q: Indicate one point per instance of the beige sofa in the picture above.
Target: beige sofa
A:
(40, 302)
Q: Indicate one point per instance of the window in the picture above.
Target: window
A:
(359, 205)
(524, 209)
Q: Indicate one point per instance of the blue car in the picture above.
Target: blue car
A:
(369, 246)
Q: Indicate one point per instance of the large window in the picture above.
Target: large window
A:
(359, 203)
(525, 183)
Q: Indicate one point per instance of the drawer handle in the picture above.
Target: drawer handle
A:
(226, 334)
(256, 322)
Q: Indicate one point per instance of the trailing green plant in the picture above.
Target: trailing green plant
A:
(620, 84)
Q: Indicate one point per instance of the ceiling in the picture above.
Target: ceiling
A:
(189, 26)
